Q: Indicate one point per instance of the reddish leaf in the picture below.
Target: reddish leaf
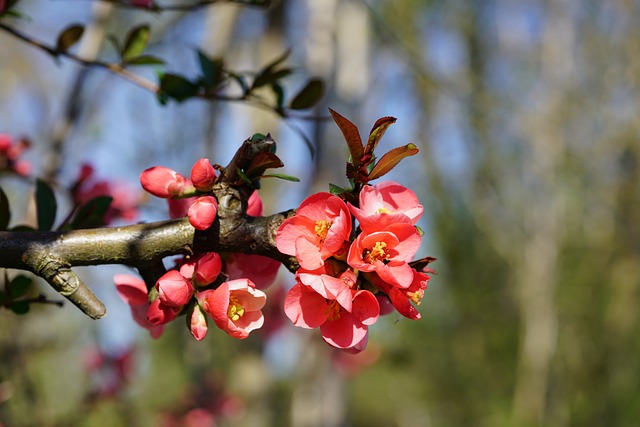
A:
(351, 135)
(391, 159)
(378, 129)
(261, 162)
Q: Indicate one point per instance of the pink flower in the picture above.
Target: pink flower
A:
(198, 323)
(203, 212)
(203, 175)
(134, 292)
(330, 287)
(174, 290)
(164, 182)
(339, 327)
(386, 203)
(318, 231)
(235, 307)
(261, 270)
(386, 252)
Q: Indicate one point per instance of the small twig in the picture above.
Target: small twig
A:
(154, 7)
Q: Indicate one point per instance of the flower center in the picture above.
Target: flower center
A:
(376, 253)
(384, 210)
(322, 228)
(333, 310)
(235, 311)
(416, 297)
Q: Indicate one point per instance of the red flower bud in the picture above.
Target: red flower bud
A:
(203, 175)
(203, 212)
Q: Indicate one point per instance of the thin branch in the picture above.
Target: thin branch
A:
(152, 6)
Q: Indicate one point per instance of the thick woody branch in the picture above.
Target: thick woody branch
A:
(51, 255)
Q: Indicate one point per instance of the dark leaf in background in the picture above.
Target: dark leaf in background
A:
(211, 70)
(46, 205)
(18, 287)
(68, 37)
(136, 42)
(5, 212)
(177, 87)
(309, 95)
(91, 214)
(145, 60)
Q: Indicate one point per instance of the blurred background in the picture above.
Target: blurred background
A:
(526, 115)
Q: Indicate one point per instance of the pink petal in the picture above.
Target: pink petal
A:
(131, 289)
(344, 332)
(305, 307)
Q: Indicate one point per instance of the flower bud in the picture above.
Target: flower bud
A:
(164, 182)
(203, 175)
(203, 212)
(173, 289)
(198, 323)
(207, 269)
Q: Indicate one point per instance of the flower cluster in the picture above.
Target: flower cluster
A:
(169, 184)
(10, 151)
(347, 271)
(223, 287)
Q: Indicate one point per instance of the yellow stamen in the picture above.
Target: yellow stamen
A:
(383, 210)
(235, 311)
(376, 253)
(322, 228)
(416, 297)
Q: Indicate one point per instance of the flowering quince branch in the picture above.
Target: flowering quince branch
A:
(51, 254)
(351, 249)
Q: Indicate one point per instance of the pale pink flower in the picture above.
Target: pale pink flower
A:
(387, 252)
(319, 230)
(386, 203)
(235, 307)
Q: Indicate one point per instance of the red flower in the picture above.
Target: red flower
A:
(235, 307)
(318, 230)
(386, 252)
(386, 203)
(159, 313)
(206, 270)
(261, 270)
(402, 298)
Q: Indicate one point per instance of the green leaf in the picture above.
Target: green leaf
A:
(19, 287)
(391, 159)
(46, 205)
(245, 178)
(278, 91)
(351, 135)
(211, 70)
(378, 129)
(177, 87)
(5, 212)
(145, 60)
(91, 214)
(20, 307)
(265, 75)
(68, 37)
(136, 42)
(335, 189)
(308, 96)
(265, 79)
(281, 176)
